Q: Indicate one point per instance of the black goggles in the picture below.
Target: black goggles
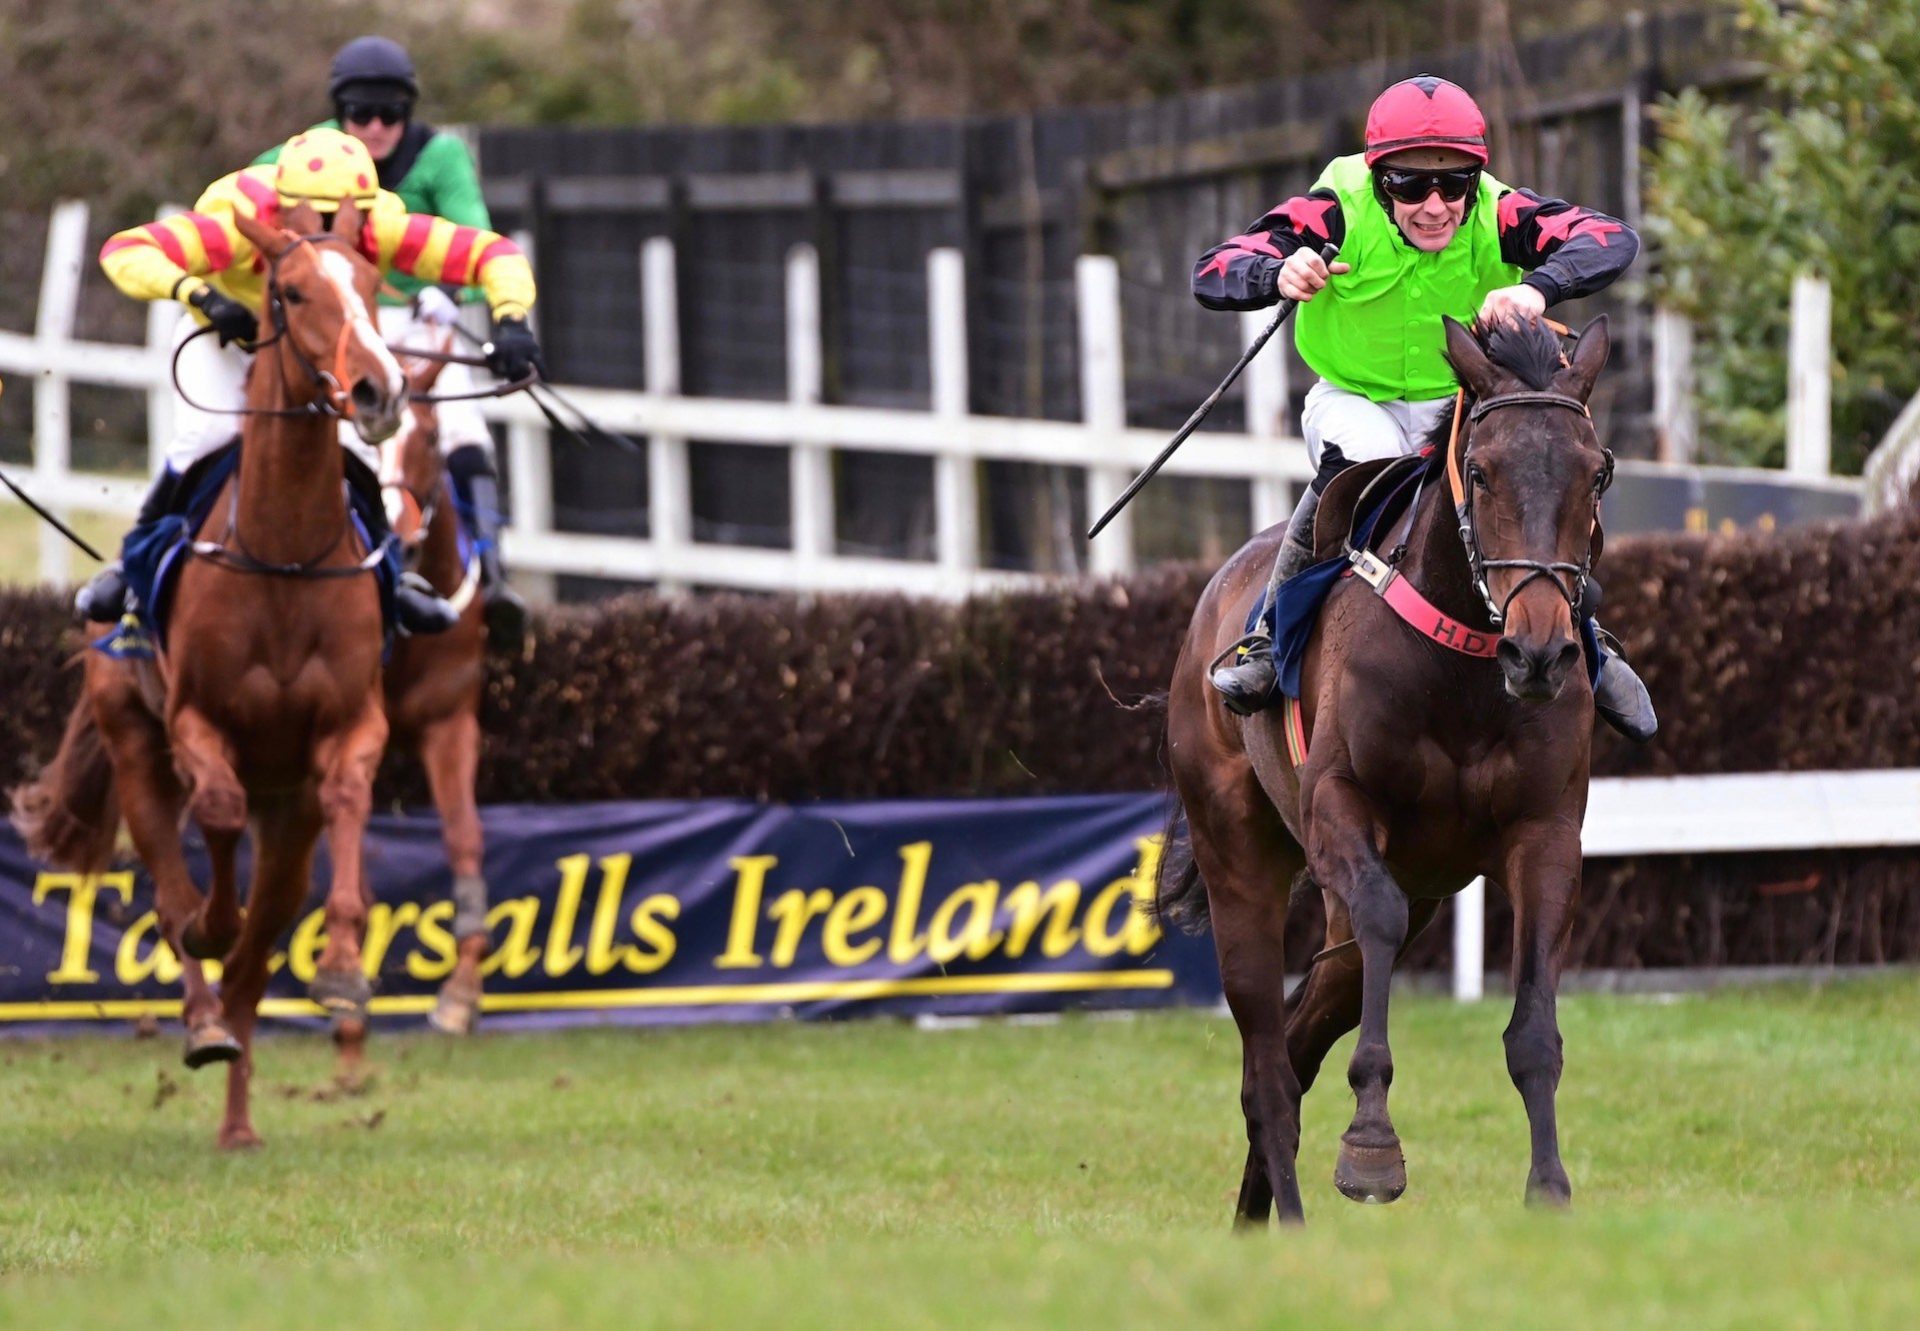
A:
(1405, 186)
(365, 113)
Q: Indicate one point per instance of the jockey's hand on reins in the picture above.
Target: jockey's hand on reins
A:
(230, 319)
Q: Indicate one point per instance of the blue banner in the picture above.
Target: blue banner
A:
(664, 912)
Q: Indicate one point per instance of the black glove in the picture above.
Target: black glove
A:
(232, 320)
(512, 355)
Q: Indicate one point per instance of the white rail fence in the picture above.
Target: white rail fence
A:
(1267, 457)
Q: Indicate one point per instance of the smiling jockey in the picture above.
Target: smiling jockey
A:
(200, 259)
(1422, 231)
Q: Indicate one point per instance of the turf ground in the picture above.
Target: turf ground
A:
(1744, 1159)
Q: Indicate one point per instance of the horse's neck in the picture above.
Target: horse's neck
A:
(1437, 560)
(440, 546)
(292, 506)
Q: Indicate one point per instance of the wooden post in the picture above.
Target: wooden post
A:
(1810, 379)
(1470, 942)
(1267, 403)
(669, 474)
(1103, 404)
(1673, 417)
(956, 486)
(52, 425)
(530, 478)
(810, 491)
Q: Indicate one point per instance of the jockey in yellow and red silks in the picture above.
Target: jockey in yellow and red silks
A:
(201, 259)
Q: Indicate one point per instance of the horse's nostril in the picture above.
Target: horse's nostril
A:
(365, 396)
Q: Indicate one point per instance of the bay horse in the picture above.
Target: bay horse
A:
(434, 684)
(264, 708)
(1424, 766)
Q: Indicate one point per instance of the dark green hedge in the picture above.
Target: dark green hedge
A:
(1792, 651)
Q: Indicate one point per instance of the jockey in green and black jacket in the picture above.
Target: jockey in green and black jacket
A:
(1422, 231)
(374, 88)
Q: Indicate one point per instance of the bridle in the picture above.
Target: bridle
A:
(1573, 586)
(334, 400)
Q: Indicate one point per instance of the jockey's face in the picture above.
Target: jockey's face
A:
(1429, 225)
(380, 137)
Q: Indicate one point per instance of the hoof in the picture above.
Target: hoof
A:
(1549, 1194)
(1372, 1174)
(342, 995)
(212, 1043)
(457, 1011)
(240, 1139)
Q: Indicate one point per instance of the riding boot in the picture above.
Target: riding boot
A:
(477, 486)
(1618, 693)
(1246, 686)
(417, 608)
(104, 599)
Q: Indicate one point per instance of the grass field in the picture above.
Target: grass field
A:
(1749, 1158)
(20, 538)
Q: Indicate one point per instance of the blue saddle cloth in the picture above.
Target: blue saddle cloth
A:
(1289, 620)
(154, 553)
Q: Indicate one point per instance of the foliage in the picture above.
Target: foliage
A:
(1823, 178)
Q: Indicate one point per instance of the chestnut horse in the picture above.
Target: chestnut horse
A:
(434, 685)
(265, 708)
(1424, 767)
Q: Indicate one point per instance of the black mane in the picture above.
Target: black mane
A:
(1527, 349)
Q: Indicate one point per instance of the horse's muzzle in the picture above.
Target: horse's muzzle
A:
(377, 414)
(1535, 673)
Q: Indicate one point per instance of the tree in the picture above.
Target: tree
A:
(1820, 178)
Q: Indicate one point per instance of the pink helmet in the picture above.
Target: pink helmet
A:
(1425, 112)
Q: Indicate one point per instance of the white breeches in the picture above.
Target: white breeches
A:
(1342, 426)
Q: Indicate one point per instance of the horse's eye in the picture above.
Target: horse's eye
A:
(1478, 477)
(291, 295)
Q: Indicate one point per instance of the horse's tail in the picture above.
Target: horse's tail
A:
(1179, 895)
(68, 815)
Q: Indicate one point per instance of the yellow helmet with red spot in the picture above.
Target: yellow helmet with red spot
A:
(322, 167)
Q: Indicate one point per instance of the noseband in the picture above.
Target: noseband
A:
(1575, 590)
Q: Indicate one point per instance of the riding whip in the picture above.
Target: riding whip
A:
(586, 422)
(1328, 253)
(58, 525)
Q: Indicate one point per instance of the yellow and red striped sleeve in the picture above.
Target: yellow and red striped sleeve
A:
(436, 250)
(168, 258)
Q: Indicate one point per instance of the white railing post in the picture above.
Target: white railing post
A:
(669, 474)
(53, 326)
(1673, 386)
(1103, 404)
(1470, 942)
(956, 493)
(810, 475)
(1810, 379)
(1267, 403)
(530, 476)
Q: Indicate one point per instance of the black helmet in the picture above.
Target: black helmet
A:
(372, 60)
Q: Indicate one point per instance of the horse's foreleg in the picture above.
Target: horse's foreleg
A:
(346, 765)
(283, 866)
(1346, 842)
(218, 803)
(1326, 1004)
(1543, 877)
(450, 751)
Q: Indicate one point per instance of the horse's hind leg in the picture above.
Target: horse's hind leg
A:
(1247, 861)
(347, 763)
(450, 750)
(1543, 874)
(1326, 1005)
(1345, 856)
(219, 806)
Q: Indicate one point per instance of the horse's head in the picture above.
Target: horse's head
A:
(410, 464)
(320, 298)
(1528, 472)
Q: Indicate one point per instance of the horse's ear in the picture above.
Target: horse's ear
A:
(1469, 359)
(270, 240)
(348, 222)
(1589, 358)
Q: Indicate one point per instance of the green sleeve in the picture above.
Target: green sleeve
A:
(272, 155)
(450, 185)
